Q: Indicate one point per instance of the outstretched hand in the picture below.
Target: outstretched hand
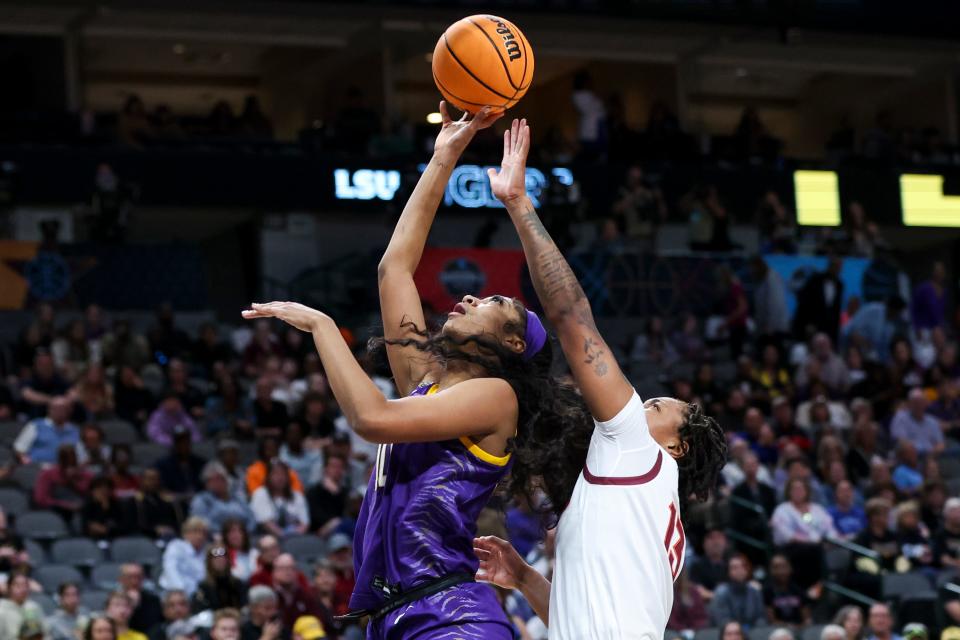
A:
(510, 183)
(293, 313)
(500, 564)
(455, 135)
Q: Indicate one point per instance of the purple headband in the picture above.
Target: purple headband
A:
(535, 335)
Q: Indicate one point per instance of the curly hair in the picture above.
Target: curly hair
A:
(705, 456)
(553, 426)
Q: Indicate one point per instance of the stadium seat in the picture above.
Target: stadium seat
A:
(26, 476)
(148, 453)
(38, 555)
(47, 603)
(105, 575)
(919, 606)
(949, 467)
(710, 633)
(812, 632)
(760, 633)
(308, 547)
(672, 635)
(94, 599)
(41, 525)
(953, 486)
(119, 432)
(78, 552)
(898, 585)
(6, 456)
(207, 449)
(14, 501)
(838, 560)
(51, 576)
(9, 430)
(136, 549)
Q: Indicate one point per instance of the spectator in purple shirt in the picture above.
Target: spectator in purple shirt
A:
(929, 300)
(167, 417)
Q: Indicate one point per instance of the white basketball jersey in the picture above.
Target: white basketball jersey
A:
(620, 543)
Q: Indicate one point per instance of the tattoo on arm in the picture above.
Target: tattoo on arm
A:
(554, 280)
(594, 355)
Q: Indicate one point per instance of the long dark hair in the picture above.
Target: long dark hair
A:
(553, 425)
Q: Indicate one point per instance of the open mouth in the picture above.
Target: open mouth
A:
(459, 308)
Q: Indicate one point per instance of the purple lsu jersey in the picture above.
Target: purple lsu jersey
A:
(418, 518)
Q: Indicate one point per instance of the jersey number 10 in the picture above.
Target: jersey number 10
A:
(674, 541)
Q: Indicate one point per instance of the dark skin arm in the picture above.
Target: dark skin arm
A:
(603, 385)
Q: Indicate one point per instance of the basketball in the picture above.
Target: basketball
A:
(483, 60)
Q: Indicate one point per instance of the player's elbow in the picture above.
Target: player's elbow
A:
(392, 266)
(372, 427)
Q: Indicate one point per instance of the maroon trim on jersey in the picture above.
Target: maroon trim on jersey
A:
(629, 480)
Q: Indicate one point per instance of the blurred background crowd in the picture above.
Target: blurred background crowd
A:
(760, 199)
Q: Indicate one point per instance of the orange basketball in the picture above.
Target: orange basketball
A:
(482, 60)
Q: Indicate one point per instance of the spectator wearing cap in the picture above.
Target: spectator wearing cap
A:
(328, 498)
(279, 509)
(946, 542)
(293, 598)
(228, 455)
(176, 615)
(737, 599)
(16, 607)
(219, 589)
(263, 623)
(310, 628)
(880, 623)
(914, 424)
(147, 609)
(69, 618)
(184, 560)
(120, 609)
(169, 419)
(180, 471)
(41, 438)
(215, 504)
(64, 487)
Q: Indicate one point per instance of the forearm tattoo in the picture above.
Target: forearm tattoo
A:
(558, 288)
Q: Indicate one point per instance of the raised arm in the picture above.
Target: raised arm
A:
(399, 300)
(477, 407)
(602, 383)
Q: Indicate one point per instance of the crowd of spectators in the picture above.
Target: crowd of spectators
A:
(226, 451)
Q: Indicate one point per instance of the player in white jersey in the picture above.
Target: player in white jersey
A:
(620, 540)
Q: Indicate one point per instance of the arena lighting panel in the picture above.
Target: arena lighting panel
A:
(817, 198)
(924, 203)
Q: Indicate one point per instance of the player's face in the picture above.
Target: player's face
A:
(664, 417)
(495, 317)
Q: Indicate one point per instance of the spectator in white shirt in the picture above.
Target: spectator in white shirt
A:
(184, 560)
(278, 508)
(913, 423)
(592, 113)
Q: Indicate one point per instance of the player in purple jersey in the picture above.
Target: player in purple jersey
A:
(479, 403)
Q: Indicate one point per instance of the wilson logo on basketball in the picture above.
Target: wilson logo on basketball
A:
(509, 41)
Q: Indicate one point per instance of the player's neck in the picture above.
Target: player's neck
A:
(457, 371)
